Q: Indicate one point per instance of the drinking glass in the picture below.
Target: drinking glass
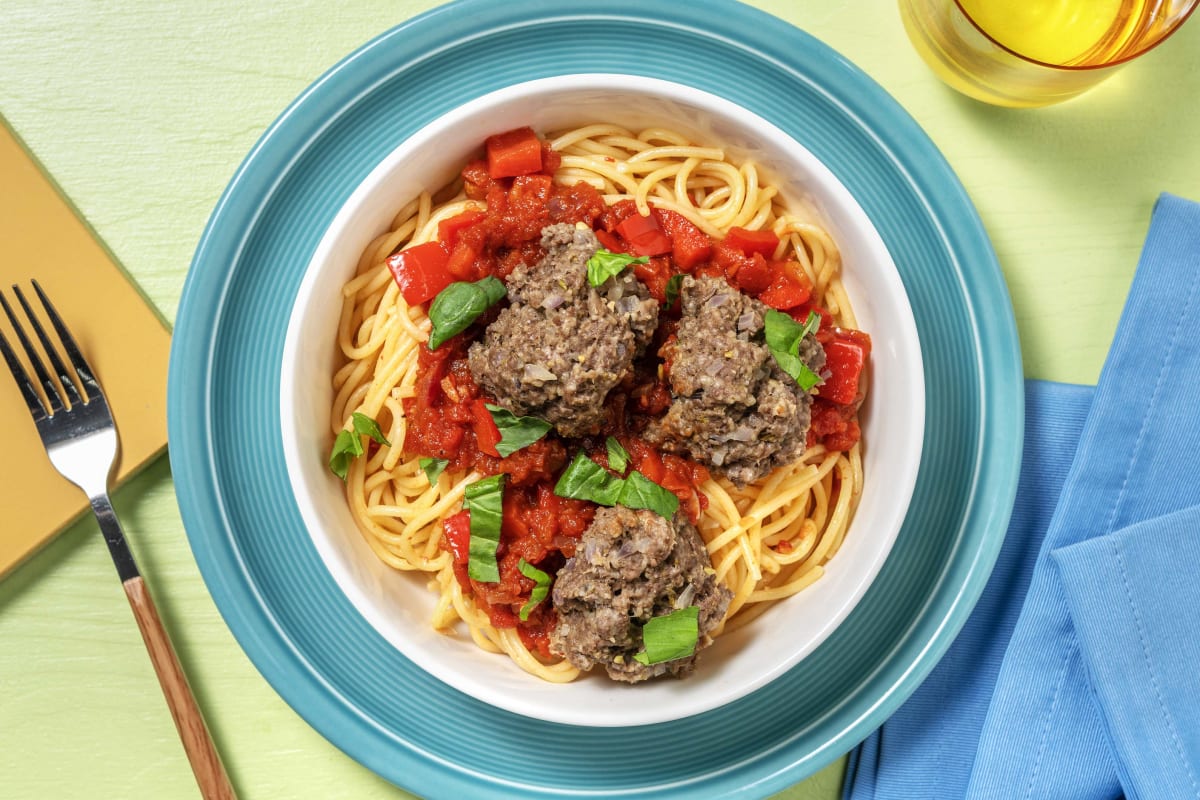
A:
(1025, 53)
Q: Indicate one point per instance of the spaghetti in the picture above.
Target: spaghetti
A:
(767, 540)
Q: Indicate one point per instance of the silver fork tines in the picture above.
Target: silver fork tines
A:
(77, 429)
(69, 388)
(74, 422)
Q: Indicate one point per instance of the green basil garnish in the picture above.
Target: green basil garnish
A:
(783, 340)
(484, 500)
(540, 590)
(604, 264)
(639, 491)
(460, 304)
(348, 444)
(618, 459)
(811, 324)
(432, 467)
(784, 333)
(670, 636)
(584, 479)
(515, 432)
(674, 283)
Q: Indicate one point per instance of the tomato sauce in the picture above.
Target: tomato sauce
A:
(444, 418)
(537, 526)
(442, 421)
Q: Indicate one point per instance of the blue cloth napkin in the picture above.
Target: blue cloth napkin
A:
(1078, 674)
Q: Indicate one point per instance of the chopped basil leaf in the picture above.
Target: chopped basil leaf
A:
(540, 590)
(670, 636)
(484, 500)
(515, 432)
(460, 304)
(432, 467)
(783, 340)
(799, 371)
(618, 459)
(604, 264)
(783, 333)
(348, 444)
(811, 323)
(584, 479)
(806, 377)
(672, 291)
(639, 491)
(493, 290)
(366, 426)
(346, 447)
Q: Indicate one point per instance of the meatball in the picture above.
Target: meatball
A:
(732, 406)
(563, 344)
(630, 566)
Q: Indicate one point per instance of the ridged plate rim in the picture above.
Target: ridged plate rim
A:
(246, 203)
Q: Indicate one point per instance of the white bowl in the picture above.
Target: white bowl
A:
(399, 605)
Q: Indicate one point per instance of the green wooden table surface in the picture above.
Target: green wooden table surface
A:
(142, 111)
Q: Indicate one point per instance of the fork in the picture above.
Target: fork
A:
(77, 430)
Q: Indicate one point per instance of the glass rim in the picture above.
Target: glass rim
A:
(1194, 4)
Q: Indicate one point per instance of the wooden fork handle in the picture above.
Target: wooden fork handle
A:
(206, 764)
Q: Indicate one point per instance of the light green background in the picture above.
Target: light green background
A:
(143, 110)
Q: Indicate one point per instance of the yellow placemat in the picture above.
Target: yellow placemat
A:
(127, 345)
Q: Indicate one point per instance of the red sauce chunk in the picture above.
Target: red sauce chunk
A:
(537, 526)
(444, 422)
(835, 408)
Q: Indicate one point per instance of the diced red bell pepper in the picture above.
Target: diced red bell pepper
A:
(831, 332)
(800, 314)
(747, 273)
(786, 291)
(793, 270)
(551, 159)
(709, 270)
(456, 530)
(432, 368)
(456, 539)
(689, 244)
(647, 460)
(513, 153)
(476, 180)
(421, 272)
(618, 212)
(449, 229)
(844, 358)
(644, 235)
(610, 241)
(750, 242)
(754, 275)
(487, 435)
(655, 274)
(461, 263)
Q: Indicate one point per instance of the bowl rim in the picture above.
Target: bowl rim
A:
(589, 711)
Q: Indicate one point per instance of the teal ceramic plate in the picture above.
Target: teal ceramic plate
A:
(241, 516)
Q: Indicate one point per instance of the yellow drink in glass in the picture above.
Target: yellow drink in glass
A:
(1035, 52)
